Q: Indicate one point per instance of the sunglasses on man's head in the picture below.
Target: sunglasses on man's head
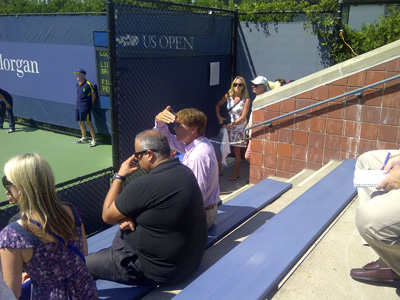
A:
(238, 84)
(6, 183)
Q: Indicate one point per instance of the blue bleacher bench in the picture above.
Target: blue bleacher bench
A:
(230, 215)
(254, 268)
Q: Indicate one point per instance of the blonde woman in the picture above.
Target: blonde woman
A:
(48, 242)
(238, 105)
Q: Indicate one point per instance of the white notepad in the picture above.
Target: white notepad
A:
(365, 178)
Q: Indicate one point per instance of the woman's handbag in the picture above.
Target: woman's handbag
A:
(227, 120)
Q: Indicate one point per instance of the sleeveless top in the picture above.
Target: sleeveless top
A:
(55, 272)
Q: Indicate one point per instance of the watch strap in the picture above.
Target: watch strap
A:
(117, 176)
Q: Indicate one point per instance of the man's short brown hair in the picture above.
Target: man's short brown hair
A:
(193, 117)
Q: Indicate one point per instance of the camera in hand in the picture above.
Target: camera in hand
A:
(227, 121)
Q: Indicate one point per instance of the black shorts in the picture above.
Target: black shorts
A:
(82, 115)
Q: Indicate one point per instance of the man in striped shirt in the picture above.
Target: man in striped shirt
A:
(199, 154)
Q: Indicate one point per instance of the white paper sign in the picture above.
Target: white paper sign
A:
(214, 73)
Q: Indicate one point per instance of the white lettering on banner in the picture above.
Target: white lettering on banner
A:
(151, 41)
(176, 42)
(21, 66)
(167, 42)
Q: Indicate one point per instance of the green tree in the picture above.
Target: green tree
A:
(370, 37)
(53, 6)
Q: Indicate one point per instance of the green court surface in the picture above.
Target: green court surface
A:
(67, 159)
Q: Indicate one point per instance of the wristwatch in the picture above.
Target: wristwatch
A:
(116, 176)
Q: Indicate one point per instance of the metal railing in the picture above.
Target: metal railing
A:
(357, 93)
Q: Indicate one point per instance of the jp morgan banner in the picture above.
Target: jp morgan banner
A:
(18, 65)
(44, 71)
(38, 57)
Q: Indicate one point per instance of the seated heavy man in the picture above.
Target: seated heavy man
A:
(170, 233)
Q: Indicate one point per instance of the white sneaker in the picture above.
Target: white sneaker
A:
(93, 143)
(82, 140)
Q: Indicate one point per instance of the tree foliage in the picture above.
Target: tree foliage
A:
(371, 35)
(53, 6)
(319, 19)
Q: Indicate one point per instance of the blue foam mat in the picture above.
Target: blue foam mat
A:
(231, 214)
(237, 210)
(254, 268)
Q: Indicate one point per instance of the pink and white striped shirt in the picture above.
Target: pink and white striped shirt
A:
(200, 158)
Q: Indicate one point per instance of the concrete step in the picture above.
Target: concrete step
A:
(301, 183)
(295, 179)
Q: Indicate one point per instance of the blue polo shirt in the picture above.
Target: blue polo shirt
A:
(84, 96)
(7, 96)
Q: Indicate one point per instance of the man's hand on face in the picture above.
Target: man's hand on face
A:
(129, 167)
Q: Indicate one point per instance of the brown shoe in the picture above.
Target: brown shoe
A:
(373, 272)
(372, 265)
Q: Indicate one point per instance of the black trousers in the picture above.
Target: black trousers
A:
(118, 264)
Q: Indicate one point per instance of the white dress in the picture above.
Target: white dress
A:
(236, 132)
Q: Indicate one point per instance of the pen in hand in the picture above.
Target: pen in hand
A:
(386, 160)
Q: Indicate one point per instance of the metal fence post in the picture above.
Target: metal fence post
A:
(234, 42)
(336, 27)
(113, 86)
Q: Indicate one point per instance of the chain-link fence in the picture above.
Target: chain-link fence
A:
(160, 54)
(105, 139)
(86, 193)
(6, 212)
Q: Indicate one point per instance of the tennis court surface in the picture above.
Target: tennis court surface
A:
(67, 159)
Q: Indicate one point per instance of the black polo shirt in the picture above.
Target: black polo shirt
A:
(171, 228)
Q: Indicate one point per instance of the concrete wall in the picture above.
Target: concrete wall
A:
(338, 130)
(278, 50)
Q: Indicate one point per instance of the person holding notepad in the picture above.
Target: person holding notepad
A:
(378, 217)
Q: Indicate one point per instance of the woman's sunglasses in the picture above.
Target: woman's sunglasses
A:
(238, 84)
(6, 183)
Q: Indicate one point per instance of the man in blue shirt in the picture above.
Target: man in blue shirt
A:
(6, 103)
(85, 98)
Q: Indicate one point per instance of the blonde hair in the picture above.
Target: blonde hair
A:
(33, 177)
(245, 92)
(193, 117)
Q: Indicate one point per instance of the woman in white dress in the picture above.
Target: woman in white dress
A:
(238, 105)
